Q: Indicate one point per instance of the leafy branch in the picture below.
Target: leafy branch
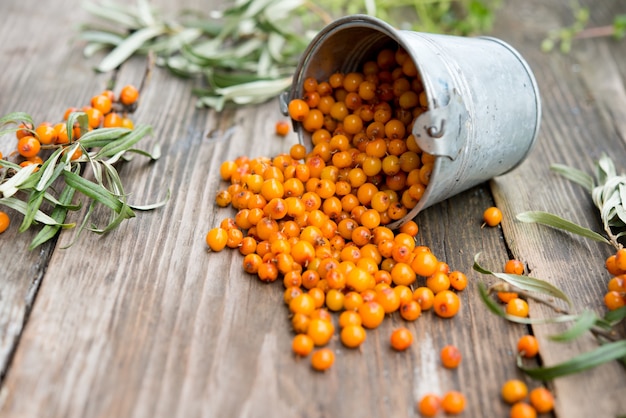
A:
(44, 194)
(248, 52)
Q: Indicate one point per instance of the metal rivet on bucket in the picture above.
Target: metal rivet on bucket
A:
(484, 108)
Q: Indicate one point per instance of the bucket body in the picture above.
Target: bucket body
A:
(484, 107)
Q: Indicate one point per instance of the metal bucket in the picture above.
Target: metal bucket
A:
(484, 107)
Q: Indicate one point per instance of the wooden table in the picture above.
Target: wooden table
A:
(144, 322)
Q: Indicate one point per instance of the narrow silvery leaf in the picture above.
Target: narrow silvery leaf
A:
(101, 37)
(145, 12)
(557, 222)
(111, 14)
(125, 49)
(22, 207)
(12, 185)
(603, 354)
(577, 176)
(584, 323)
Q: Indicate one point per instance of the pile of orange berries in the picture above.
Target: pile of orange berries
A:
(104, 111)
(515, 392)
(316, 220)
(616, 293)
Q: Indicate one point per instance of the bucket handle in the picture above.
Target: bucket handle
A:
(440, 131)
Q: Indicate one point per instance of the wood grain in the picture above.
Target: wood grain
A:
(144, 322)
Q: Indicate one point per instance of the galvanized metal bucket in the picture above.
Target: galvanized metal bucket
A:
(484, 108)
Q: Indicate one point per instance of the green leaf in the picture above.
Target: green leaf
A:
(96, 192)
(15, 183)
(124, 142)
(557, 222)
(577, 176)
(153, 205)
(615, 316)
(101, 137)
(527, 283)
(59, 213)
(128, 47)
(20, 206)
(83, 123)
(584, 323)
(603, 354)
(16, 118)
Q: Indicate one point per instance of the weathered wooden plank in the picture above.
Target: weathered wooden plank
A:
(143, 322)
(579, 123)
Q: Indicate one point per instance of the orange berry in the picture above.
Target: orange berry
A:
(458, 280)
(450, 356)
(217, 238)
(505, 297)
(298, 109)
(542, 400)
(614, 300)
(28, 146)
(102, 102)
(320, 331)
(517, 307)
(492, 216)
(522, 410)
(401, 339)
(372, 314)
(302, 345)
(46, 134)
(514, 267)
(620, 259)
(528, 346)
(513, 391)
(446, 304)
(453, 402)
(353, 335)
(424, 264)
(5, 221)
(129, 95)
(429, 405)
(281, 128)
(112, 120)
(322, 359)
(24, 129)
(410, 310)
(424, 297)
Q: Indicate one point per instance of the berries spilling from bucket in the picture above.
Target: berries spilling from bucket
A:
(317, 219)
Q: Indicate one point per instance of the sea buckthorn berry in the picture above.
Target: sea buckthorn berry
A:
(429, 405)
(528, 346)
(129, 95)
(128, 123)
(352, 301)
(216, 239)
(402, 274)
(505, 297)
(458, 280)
(522, 410)
(302, 345)
(372, 314)
(542, 400)
(614, 300)
(353, 335)
(438, 282)
(450, 356)
(446, 304)
(401, 339)
(298, 109)
(620, 259)
(424, 264)
(410, 310)
(281, 128)
(304, 304)
(514, 267)
(618, 284)
(24, 130)
(517, 307)
(388, 299)
(453, 402)
(251, 263)
(46, 134)
(102, 102)
(424, 297)
(334, 300)
(492, 216)
(322, 359)
(112, 120)
(5, 221)
(349, 318)
(28, 146)
(267, 272)
(409, 228)
(320, 331)
(513, 391)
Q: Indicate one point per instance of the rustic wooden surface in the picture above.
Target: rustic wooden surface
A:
(143, 322)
